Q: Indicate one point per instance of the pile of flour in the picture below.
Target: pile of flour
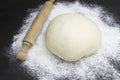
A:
(45, 66)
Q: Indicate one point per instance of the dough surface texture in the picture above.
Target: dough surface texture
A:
(72, 36)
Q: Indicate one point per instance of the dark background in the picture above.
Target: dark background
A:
(12, 14)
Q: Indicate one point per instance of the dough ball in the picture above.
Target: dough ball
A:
(72, 36)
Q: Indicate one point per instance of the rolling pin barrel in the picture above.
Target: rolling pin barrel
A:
(35, 29)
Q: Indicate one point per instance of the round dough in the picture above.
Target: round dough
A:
(72, 36)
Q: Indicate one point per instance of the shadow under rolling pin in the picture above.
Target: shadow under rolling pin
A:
(34, 30)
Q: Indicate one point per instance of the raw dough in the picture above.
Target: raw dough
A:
(72, 36)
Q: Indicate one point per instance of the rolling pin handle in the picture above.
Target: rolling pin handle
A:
(24, 50)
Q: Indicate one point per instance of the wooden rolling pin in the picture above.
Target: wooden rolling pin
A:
(35, 29)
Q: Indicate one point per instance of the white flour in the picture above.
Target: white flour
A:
(45, 66)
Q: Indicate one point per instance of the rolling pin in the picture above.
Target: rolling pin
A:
(35, 29)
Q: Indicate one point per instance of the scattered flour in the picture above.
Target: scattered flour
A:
(45, 66)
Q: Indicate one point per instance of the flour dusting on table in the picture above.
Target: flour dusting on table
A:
(45, 66)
